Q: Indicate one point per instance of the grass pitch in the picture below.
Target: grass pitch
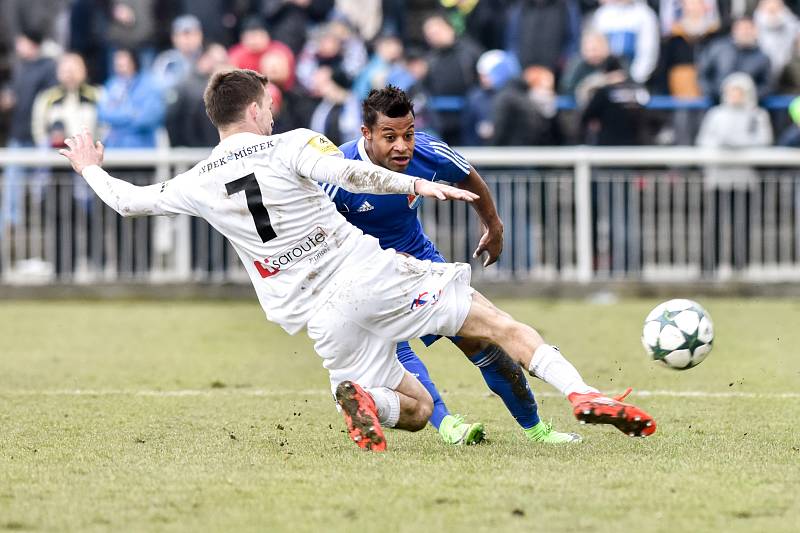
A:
(202, 416)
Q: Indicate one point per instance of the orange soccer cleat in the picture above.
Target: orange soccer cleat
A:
(595, 408)
(361, 416)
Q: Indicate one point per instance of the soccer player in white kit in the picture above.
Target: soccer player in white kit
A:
(311, 268)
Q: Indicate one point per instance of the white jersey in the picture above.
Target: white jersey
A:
(259, 192)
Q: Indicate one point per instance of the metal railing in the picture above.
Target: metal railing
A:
(571, 214)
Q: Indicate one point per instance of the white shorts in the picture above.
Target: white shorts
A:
(390, 298)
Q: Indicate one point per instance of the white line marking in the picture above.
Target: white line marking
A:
(313, 392)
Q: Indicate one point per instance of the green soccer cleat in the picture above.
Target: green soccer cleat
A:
(454, 430)
(544, 432)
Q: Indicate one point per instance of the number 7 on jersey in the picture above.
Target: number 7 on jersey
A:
(255, 203)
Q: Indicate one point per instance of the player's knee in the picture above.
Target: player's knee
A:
(471, 347)
(422, 413)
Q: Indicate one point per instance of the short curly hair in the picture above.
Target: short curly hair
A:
(389, 101)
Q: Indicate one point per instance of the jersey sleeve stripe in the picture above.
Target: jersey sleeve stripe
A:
(460, 165)
(333, 193)
(329, 189)
(450, 151)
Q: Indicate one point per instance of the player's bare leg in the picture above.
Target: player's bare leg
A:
(524, 344)
(507, 380)
(407, 407)
(416, 404)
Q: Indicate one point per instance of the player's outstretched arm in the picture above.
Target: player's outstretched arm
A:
(491, 241)
(359, 176)
(86, 157)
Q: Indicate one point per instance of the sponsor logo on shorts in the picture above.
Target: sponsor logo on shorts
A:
(425, 298)
(312, 247)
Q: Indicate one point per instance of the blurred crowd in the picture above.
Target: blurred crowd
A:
(481, 72)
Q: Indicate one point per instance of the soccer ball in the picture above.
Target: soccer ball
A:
(678, 333)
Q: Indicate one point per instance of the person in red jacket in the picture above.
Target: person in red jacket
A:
(255, 43)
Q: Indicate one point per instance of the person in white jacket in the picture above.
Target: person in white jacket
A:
(736, 123)
(631, 28)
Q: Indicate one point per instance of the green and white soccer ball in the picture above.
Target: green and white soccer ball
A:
(678, 333)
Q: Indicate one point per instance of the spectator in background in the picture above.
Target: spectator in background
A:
(732, 10)
(777, 31)
(789, 80)
(132, 105)
(255, 42)
(31, 74)
(451, 72)
(173, 66)
(524, 110)
(388, 53)
(36, 16)
(66, 108)
(87, 37)
(483, 20)
(670, 12)
(687, 37)
(186, 120)
(539, 32)
(594, 52)
(631, 28)
(364, 16)
(333, 45)
(410, 73)
(131, 25)
(297, 104)
(409, 76)
(338, 113)
(496, 68)
(736, 123)
(737, 53)
(218, 18)
(289, 20)
(407, 19)
(613, 114)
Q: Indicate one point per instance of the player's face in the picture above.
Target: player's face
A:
(390, 142)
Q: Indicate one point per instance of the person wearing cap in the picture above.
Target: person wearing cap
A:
(172, 66)
(495, 69)
(255, 42)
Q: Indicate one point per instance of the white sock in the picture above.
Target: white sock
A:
(388, 403)
(550, 366)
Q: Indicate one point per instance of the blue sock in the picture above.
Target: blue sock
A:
(506, 379)
(415, 366)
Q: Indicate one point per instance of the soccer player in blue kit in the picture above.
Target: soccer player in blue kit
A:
(389, 140)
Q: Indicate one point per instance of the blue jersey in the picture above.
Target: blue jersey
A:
(392, 218)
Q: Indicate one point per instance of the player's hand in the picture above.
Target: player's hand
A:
(442, 192)
(83, 151)
(491, 243)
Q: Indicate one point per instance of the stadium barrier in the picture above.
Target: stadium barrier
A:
(571, 214)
